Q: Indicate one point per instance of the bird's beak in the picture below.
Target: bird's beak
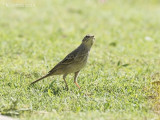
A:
(92, 36)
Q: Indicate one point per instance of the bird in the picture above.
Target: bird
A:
(73, 62)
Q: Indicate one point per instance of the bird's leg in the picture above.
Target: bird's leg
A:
(75, 78)
(64, 78)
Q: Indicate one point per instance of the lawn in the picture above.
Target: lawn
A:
(115, 84)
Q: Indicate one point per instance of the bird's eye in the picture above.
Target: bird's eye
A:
(87, 36)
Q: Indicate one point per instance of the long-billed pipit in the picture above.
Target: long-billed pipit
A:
(73, 62)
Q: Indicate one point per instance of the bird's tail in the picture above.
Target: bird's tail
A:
(40, 79)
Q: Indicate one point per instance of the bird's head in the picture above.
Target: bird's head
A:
(88, 40)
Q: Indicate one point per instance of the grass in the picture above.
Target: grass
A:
(116, 83)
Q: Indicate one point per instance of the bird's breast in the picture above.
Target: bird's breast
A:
(77, 65)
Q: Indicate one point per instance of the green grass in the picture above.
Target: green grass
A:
(116, 83)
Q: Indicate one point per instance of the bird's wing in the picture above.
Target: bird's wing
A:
(70, 58)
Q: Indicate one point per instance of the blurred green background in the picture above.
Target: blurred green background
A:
(116, 83)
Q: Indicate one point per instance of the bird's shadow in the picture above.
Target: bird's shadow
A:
(51, 89)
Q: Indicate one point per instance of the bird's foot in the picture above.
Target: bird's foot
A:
(77, 85)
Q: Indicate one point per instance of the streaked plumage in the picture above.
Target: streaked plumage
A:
(73, 62)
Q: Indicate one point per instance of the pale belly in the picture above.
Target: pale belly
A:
(74, 67)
